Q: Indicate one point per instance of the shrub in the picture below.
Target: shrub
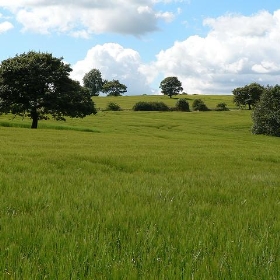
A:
(113, 107)
(222, 107)
(266, 116)
(182, 105)
(199, 105)
(150, 106)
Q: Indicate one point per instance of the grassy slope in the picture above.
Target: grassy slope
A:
(146, 196)
(127, 102)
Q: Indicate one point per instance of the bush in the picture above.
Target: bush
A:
(221, 107)
(182, 105)
(150, 106)
(266, 116)
(113, 107)
(199, 105)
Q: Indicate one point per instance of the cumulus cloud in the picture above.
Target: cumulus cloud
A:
(5, 26)
(114, 62)
(86, 17)
(237, 50)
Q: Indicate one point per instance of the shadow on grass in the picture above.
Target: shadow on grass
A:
(44, 126)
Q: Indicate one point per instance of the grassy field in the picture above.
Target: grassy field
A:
(139, 195)
(127, 102)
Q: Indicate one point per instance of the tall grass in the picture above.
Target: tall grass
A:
(152, 196)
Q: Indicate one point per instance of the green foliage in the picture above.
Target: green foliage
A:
(222, 107)
(171, 86)
(114, 88)
(38, 85)
(112, 106)
(248, 95)
(93, 81)
(266, 116)
(182, 105)
(150, 106)
(199, 105)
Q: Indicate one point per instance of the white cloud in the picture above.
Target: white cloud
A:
(5, 26)
(167, 16)
(135, 17)
(114, 62)
(237, 50)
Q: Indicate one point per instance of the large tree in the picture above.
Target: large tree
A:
(266, 116)
(248, 95)
(114, 88)
(93, 81)
(171, 86)
(38, 85)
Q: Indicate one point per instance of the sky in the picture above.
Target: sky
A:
(211, 46)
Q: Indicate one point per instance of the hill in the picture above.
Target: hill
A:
(139, 195)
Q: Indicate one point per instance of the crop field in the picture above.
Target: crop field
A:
(139, 195)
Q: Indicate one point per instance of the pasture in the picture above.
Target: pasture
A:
(139, 195)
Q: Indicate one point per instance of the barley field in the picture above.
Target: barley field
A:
(139, 195)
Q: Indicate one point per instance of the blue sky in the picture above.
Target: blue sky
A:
(211, 46)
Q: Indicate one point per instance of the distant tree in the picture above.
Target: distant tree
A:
(93, 81)
(114, 88)
(240, 95)
(182, 105)
(171, 86)
(38, 85)
(248, 95)
(199, 105)
(266, 116)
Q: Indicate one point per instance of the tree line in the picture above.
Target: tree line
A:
(38, 85)
(95, 84)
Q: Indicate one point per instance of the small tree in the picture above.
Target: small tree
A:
(38, 85)
(182, 105)
(114, 88)
(248, 95)
(171, 86)
(93, 81)
(199, 105)
(266, 116)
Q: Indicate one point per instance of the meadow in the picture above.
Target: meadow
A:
(139, 195)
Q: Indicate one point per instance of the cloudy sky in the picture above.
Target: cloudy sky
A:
(212, 46)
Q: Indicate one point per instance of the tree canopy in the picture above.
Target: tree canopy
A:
(93, 81)
(114, 88)
(171, 86)
(38, 85)
(266, 116)
(248, 95)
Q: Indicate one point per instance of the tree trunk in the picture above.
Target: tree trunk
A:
(34, 116)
